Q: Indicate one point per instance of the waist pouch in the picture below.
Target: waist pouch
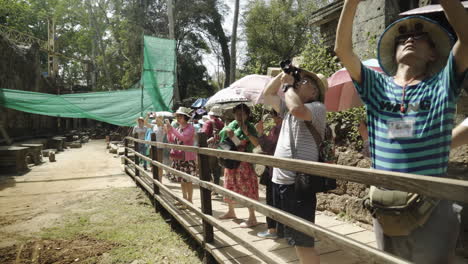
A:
(399, 213)
(306, 185)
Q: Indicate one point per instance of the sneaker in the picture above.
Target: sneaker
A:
(266, 234)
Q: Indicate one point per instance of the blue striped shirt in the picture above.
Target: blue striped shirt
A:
(429, 106)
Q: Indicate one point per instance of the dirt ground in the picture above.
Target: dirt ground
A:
(40, 198)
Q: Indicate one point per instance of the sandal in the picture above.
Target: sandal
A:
(225, 216)
(247, 224)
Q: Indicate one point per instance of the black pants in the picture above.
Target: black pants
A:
(304, 208)
(214, 169)
(270, 197)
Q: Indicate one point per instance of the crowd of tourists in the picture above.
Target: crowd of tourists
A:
(409, 126)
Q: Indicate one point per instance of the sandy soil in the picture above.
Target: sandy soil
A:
(39, 198)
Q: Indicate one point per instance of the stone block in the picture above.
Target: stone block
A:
(75, 144)
(52, 156)
(45, 152)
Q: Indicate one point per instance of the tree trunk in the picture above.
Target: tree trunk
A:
(232, 75)
(170, 16)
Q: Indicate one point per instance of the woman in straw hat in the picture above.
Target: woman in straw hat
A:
(410, 112)
(182, 160)
(242, 179)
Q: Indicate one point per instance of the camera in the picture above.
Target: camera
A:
(288, 68)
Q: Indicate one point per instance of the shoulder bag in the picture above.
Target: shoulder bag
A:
(305, 184)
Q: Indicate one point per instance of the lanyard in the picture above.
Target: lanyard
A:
(402, 107)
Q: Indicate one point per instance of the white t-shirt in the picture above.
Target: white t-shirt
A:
(465, 122)
(141, 132)
(306, 148)
(159, 131)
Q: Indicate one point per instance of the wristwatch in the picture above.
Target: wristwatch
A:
(286, 87)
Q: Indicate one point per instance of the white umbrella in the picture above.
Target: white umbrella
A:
(227, 95)
(247, 88)
(164, 114)
(252, 86)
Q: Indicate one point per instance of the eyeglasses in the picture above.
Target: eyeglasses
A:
(401, 39)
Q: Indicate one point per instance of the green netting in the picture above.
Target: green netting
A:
(152, 93)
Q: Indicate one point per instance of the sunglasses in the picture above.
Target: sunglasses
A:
(401, 39)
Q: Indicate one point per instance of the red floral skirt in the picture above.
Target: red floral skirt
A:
(242, 180)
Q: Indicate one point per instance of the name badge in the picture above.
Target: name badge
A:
(401, 128)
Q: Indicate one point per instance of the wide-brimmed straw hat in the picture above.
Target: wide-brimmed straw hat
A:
(386, 48)
(320, 80)
(183, 111)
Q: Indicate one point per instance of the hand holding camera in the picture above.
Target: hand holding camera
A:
(292, 75)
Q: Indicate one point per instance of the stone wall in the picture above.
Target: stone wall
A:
(372, 17)
(19, 70)
(347, 198)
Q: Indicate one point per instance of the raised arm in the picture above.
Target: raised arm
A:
(186, 135)
(457, 16)
(459, 136)
(294, 102)
(344, 40)
(271, 92)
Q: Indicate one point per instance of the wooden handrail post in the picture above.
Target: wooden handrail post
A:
(155, 170)
(205, 194)
(126, 152)
(137, 159)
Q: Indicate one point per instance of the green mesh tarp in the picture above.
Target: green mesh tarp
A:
(159, 70)
(120, 108)
(152, 93)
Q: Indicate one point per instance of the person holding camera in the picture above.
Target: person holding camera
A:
(183, 161)
(410, 112)
(304, 101)
(241, 178)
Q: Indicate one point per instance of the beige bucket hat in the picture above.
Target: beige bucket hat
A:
(320, 80)
(183, 111)
(386, 48)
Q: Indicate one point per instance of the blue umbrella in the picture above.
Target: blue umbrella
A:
(200, 102)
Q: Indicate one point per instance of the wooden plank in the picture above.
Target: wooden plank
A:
(364, 252)
(346, 229)
(448, 189)
(226, 241)
(340, 257)
(325, 221)
(244, 260)
(232, 252)
(365, 236)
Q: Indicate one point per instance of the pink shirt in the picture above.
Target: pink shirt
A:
(186, 135)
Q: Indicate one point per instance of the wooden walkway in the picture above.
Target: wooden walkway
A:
(226, 250)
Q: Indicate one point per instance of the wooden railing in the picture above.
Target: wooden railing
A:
(448, 189)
